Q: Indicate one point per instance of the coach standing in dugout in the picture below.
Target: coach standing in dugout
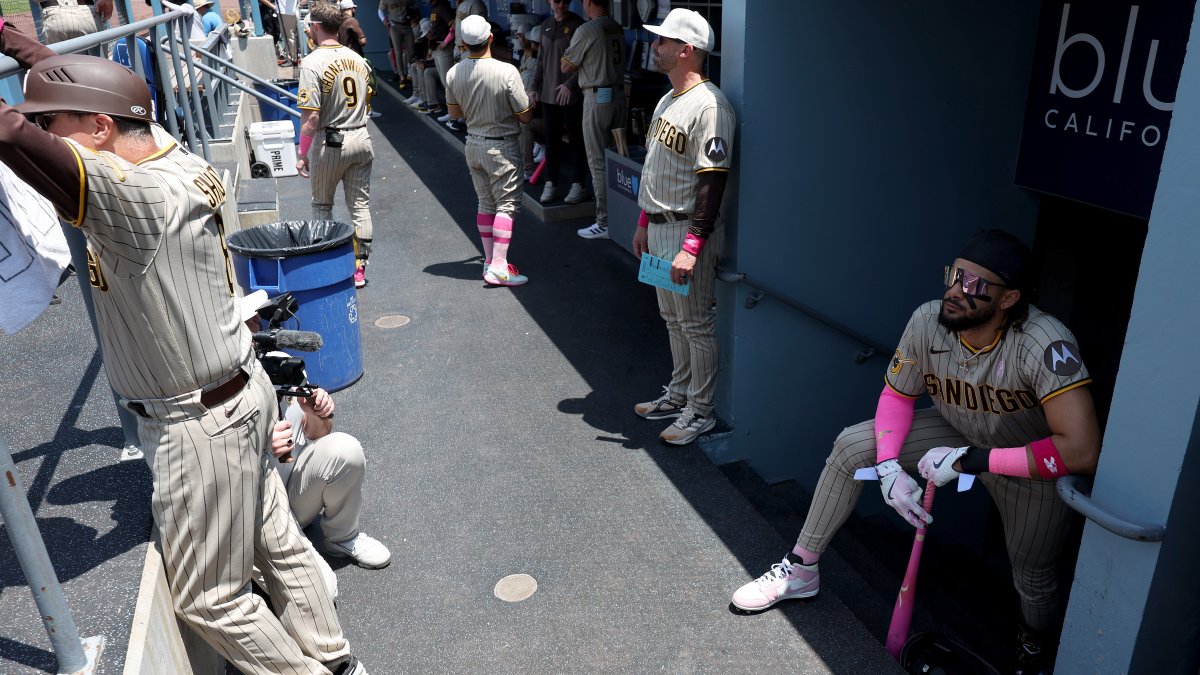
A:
(1010, 404)
(689, 154)
(489, 94)
(335, 99)
(561, 102)
(441, 47)
(175, 349)
(598, 52)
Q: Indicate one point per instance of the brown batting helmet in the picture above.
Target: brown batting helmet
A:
(85, 84)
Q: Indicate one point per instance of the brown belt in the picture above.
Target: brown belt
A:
(218, 395)
(668, 217)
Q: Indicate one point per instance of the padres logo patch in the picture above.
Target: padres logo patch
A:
(715, 149)
(898, 362)
(1062, 358)
(302, 97)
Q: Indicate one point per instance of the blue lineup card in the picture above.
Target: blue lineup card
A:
(657, 272)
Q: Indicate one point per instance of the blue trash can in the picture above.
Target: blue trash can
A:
(315, 261)
(270, 113)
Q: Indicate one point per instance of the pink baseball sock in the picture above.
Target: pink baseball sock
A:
(503, 227)
(484, 222)
(806, 556)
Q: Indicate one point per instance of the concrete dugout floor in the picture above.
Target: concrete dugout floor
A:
(500, 440)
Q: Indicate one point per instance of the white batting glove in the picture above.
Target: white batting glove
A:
(938, 465)
(902, 493)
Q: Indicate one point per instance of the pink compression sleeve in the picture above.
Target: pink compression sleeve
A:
(893, 421)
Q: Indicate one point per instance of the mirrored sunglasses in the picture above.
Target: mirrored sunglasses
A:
(972, 284)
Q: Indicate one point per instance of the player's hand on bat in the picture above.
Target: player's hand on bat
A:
(281, 438)
(938, 465)
(320, 403)
(302, 166)
(902, 493)
(640, 242)
(682, 266)
(562, 94)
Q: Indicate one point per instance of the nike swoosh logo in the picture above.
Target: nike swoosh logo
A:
(938, 464)
(937, 351)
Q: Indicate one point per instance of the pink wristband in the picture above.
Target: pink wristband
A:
(305, 143)
(1009, 462)
(643, 219)
(1049, 463)
(1, 24)
(693, 244)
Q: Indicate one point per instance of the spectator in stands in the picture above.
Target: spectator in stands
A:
(210, 16)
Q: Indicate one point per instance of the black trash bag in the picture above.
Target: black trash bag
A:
(933, 654)
(290, 238)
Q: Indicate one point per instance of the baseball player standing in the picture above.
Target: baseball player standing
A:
(489, 94)
(598, 52)
(176, 351)
(335, 99)
(397, 18)
(1009, 404)
(441, 47)
(66, 19)
(689, 154)
(561, 102)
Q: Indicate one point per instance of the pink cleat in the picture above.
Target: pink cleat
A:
(360, 275)
(784, 581)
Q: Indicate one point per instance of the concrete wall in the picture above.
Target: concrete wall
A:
(867, 156)
(1135, 607)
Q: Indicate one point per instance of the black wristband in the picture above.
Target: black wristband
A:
(974, 460)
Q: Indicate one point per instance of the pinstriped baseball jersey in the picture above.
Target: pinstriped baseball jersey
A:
(598, 51)
(396, 10)
(992, 395)
(691, 132)
(490, 93)
(333, 80)
(467, 8)
(161, 276)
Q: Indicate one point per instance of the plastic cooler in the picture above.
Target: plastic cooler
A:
(315, 261)
(274, 147)
(270, 113)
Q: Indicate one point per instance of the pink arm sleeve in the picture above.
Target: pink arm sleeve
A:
(893, 421)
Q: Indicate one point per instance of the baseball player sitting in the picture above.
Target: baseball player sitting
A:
(323, 471)
(1010, 404)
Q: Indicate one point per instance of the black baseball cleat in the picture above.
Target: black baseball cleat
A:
(1035, 652)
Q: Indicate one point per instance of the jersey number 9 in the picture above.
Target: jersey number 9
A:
(350, 89)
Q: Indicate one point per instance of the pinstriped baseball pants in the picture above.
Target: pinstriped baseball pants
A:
(496, 173)
(349, 165)
(64, 22)
(220, 508)
(1036, 522)
(599, 119)
(691, 320)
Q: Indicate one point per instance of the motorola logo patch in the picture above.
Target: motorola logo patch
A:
(1062, 358)
(715, 149)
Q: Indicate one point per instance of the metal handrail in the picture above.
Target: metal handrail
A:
(249, 90)
(1071, 490)
(9, 65)
(762, 290)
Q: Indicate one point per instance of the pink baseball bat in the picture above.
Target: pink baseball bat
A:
(902, 614)
(537, 173)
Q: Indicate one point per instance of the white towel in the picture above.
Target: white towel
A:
(33, 252)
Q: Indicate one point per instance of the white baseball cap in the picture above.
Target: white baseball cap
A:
(424, 28)
(250, 304)
(687, 26)
(202, 3)
(475, 30)
(346, 4)
(534, 34)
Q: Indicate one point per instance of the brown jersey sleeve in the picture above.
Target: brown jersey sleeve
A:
(38, 157)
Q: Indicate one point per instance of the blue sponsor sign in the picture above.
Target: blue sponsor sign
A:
(624, 180)
(1100, 100)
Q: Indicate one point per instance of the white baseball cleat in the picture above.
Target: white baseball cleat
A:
(784, 581)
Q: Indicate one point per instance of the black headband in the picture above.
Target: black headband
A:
(1000, 253)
